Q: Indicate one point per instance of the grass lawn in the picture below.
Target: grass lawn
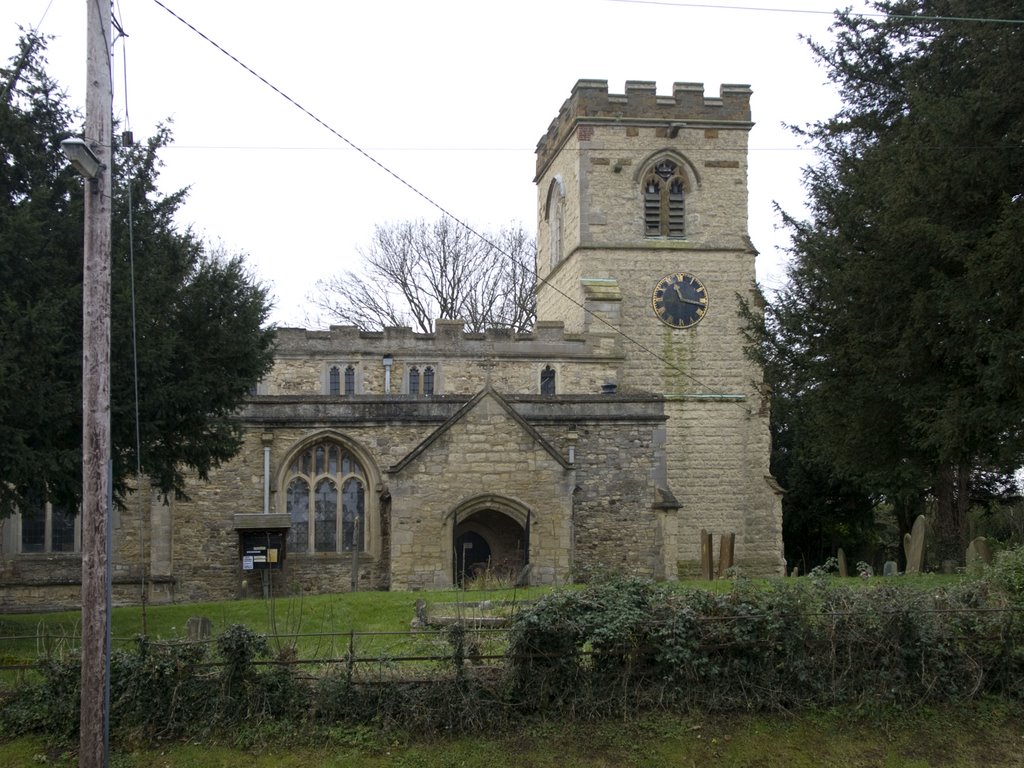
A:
(988, 733)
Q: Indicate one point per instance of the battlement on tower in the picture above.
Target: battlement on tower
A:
(591, 103)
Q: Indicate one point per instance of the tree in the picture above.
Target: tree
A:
(201, 344)
(415, 272)
(901, 331)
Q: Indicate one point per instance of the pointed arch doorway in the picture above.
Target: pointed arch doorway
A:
(490, 536)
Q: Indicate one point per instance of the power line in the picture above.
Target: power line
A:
(709, 389)
(859, 14)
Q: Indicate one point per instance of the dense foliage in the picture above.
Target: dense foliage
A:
(897, 348)
(619, 647)
(201, 344)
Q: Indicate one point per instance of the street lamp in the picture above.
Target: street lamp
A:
(81, 156)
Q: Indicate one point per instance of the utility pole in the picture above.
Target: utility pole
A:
(96, 482)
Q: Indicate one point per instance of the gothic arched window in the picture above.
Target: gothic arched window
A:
(428, 381)
(664, 201)
(350, 380)
(334, 381)
(326, 500)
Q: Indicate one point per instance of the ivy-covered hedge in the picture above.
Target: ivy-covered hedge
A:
(617, 647)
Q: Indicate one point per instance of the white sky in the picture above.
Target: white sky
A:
(451, 95)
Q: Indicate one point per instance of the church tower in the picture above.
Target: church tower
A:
(642, 238)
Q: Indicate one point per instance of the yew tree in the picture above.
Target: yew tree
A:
(200, 316)
(898, 342)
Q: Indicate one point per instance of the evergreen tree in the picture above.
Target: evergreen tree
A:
(201, 344)
(900, 336)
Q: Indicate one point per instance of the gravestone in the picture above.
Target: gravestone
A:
(726, 550)
(706, 564)
(841, 557)
(198, 628)
(906, 546)
(979, 552)
(915, 559)
(890, 568)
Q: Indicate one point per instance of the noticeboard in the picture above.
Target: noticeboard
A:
(262, 550)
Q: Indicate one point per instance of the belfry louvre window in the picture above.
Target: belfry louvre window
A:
(326, 500)
(664, 201)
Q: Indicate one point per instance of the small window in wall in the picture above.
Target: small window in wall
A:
(334, 381)
(664, 201)
(547, 380)
(421, 380)
(350, 380)
(51, 529)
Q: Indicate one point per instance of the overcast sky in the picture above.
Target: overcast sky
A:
(451, 95)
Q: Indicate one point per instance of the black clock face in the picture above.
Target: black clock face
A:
(680, 300)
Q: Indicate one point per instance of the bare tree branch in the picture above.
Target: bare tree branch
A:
(415, 272)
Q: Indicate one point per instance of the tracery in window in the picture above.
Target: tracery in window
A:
(334, 381)
(326, 520)
(547, 380)
(428, 380)
(414, 380)
(664, 193)
(350, 380)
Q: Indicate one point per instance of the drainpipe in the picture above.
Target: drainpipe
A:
(267, 439)
(388, 361)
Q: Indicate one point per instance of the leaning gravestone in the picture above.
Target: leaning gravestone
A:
(198, 628)
(726, 551)
(915, 557)
(841, 557)
(979, 552)
(706, 557)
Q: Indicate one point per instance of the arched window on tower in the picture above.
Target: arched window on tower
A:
(664, 193)
(414, 380)
(554, 214)
(547, 380)
(350, 380)
(334, 381)
(428, 380)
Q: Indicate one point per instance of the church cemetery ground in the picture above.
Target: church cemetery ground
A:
(904, 671)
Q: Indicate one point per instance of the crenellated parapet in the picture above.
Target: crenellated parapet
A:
(449, 339)
(590, 103)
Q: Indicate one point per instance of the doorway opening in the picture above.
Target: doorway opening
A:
(488, 544)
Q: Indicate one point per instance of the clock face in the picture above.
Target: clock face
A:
(680, 300)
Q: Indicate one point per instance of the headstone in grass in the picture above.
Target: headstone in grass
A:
(199, 628)
(726, 553)
(906, 546)
(890, 568)
(979, 553)
(707, 567)
(915, 559)
(841, 557)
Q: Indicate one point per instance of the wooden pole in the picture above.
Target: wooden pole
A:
(94, 720)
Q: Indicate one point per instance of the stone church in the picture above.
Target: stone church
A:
(607, 439)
